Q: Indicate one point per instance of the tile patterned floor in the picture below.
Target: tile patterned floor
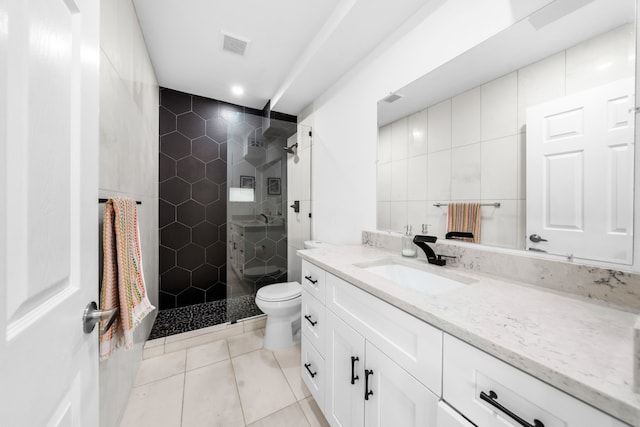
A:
(220, 376)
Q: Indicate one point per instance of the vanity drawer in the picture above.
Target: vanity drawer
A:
(313, 280)
(408, 341)
(313, 373)
(313, 321)
(468, 372)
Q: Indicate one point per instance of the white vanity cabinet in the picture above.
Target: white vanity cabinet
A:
(313, 331)
(364, 341)
(368, 363)
(489, 392)
(366, 388)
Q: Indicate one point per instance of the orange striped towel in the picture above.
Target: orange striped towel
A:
(464, 217)
(123, 280)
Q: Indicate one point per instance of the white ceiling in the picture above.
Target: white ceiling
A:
(297, 48)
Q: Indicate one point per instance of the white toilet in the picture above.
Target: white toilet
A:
(282, 303)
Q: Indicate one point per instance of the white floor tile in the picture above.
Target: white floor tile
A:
(245, 343)
(202, 339)
(291, 416)
(161, 367)
(157, 404)
(262, 386)
(255, 323)
(289, 361)
(211, 397)
(207, 354)
(313, 413)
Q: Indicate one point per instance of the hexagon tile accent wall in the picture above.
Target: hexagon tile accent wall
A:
(193, 207)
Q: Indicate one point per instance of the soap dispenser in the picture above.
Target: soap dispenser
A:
(408, 248)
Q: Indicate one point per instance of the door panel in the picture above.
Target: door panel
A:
(49, 85)
(580, 154)
(398, 399)
(344, 401)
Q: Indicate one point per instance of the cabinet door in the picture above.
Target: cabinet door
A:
(448, 417)
(344, 402)
(395, 398)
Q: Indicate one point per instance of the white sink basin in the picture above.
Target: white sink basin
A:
(414, 278)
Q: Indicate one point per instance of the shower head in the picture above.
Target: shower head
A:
(291, 149)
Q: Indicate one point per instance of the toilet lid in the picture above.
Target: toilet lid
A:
(280, 291)
(259, 271)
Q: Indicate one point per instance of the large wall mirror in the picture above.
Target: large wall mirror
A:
(536, 124)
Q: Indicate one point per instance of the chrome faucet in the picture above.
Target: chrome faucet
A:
(266, 218)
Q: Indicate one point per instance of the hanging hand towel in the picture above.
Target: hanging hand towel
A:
(123, 280)
(464, 217)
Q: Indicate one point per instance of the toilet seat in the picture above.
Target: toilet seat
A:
(280, 292)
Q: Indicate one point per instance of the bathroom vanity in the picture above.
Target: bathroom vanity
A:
(473, 349)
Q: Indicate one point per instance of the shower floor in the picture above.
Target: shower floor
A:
(198, 316)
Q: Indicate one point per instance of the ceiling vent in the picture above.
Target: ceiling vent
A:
(234, 44)
(392, 97)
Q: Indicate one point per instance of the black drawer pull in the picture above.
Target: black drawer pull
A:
(311, 321)
(313, 374)
(353, 368)
(309, 278)
(492, 399)
(368, 392)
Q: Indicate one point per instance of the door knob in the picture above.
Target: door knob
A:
(535, 238)
(92, 315)
(296, 206)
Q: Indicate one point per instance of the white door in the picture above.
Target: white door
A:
(344, 402)
(49, 81)
(395, 397)
(298, 198)
(580, 152)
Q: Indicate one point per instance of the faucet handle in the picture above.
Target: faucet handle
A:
(425, 228)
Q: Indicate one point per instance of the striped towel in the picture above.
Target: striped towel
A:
(464, 217)
(123, 280)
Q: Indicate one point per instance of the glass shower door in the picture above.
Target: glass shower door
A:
(256, 211)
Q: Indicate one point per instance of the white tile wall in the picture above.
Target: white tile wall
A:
(439, 175)
(476, 142)
(540, 82)
(384, 144)
(465, 172)
(399, 185)
(499, 107)
(601, 60)
(417, 178)
(399, 139)
(417, 133)
(499, 225)
(398, 216)
(499, 160)
(465, 118)
(129, 100)
(439, 131)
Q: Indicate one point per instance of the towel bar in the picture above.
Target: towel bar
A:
(138, 202)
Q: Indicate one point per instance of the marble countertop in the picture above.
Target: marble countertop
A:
(581, 348)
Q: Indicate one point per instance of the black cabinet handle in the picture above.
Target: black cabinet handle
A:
(309, 278)
(492, 399)
(313, 374)
(368, 392)
(310, 321)
(353, 368)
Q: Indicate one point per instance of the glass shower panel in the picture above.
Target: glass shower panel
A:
(256, 210)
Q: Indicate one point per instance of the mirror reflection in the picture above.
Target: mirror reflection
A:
(536, 125)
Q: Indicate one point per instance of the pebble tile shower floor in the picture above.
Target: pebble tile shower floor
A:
(198, 316)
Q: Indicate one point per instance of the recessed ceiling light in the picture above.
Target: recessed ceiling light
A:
(237, 90)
